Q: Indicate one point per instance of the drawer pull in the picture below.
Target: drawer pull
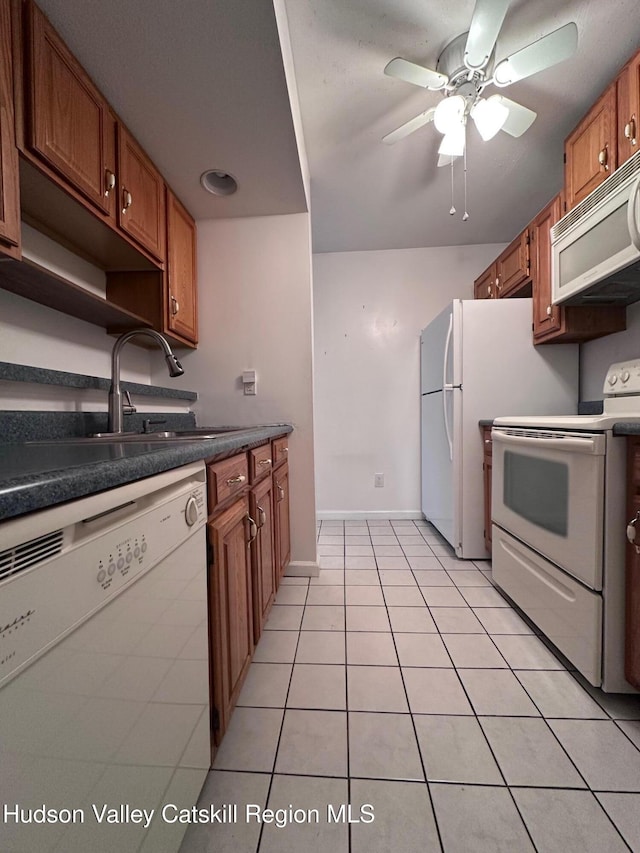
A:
(280, 492)
(284, 450)
(603, 158)
(630, 130)
(175, 306)
(263, 517)
(127, 200)
(235, 481)
(264, 462)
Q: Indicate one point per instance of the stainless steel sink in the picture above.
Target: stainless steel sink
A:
(195, 434)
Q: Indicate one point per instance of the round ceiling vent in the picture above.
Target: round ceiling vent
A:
(218, 182)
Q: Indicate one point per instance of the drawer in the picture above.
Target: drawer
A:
(567, 613)
(226, 478)
(260, 462)
(280, 449)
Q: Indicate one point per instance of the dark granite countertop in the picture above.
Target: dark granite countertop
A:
(626, 428)
(43, 376)
(35, 476)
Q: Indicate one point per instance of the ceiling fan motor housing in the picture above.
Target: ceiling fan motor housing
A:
(451, 63)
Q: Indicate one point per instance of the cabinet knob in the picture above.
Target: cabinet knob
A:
(127, 200)
(175, 306)
(109, 181)
(603, 158)
(549, 310)
(630, 130)
(487, 441)
(631, 532)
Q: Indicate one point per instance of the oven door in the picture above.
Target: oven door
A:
(548, 491)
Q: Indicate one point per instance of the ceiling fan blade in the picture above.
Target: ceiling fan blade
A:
(409, 126)
(416, 74)
(541, 54)
(486, 22)
(519, 119)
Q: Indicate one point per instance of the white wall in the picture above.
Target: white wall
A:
(40, 337)
(255, 312)
(596, 356)
(369, 309)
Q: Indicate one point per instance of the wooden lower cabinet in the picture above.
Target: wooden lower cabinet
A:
(262, 554)
(281, 517)
(487, 467)
(632, 599)
(231, 609)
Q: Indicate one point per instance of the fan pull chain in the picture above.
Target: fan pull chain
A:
(453, 208)
(465, 215)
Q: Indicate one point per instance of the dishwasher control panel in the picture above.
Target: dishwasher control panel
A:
(101, 557)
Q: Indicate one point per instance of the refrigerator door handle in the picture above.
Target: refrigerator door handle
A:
(447, 350)
(447, 428)
(447, 387)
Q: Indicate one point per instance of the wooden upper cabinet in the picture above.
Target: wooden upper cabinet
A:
(591, 150)
(484, 287)
(182, 302)
(546, 317)
(68, 122)
(512, 266)
(628, 109)
(141, 196)
(9, 188)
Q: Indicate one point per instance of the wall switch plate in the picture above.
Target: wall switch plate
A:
(378, 481)
(249, 383)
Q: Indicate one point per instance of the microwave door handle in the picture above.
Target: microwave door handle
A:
(632, 218)
(447, 387)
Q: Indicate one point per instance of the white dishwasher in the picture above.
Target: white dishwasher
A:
(104, 676)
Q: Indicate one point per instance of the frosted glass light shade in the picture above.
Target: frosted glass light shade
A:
(449, 113)
(489, 116)
(453, 142)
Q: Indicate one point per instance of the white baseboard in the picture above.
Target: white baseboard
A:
(364, 515)
(303, 569)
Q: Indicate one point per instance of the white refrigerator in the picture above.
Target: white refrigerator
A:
(477, 361)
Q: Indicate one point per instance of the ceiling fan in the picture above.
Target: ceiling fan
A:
(464, 70)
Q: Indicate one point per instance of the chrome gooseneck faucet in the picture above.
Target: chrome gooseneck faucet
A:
(116, 411)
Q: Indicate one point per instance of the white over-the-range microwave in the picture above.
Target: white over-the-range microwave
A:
(595, 248)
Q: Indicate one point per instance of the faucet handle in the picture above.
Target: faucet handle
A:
(128, 408)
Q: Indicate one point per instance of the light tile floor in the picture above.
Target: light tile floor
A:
(401, 678)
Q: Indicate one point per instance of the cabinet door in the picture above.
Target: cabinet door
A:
(632, 598)
(262, 554)
(68, 119)
(628, 109)
(591, 150)
(512, 267)
(9, 190)
(546, 317)
(182, 296)
(231, 623)
(484, 287)
(141, 203)
(281, 512)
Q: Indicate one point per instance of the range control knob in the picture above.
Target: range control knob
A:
(191, 511)
(625, 376)
(612, 379)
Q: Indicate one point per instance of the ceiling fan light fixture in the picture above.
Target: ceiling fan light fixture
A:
(449, 114)
(452, 143)
(489, 116)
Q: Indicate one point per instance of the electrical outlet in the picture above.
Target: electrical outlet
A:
(378, 481)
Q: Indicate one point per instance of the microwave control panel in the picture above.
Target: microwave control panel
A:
(622, 378)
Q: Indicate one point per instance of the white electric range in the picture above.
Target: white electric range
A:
(558, 514)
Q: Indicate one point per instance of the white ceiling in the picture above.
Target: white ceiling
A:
(201, 84)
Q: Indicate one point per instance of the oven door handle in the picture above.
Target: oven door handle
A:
(588, 444)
